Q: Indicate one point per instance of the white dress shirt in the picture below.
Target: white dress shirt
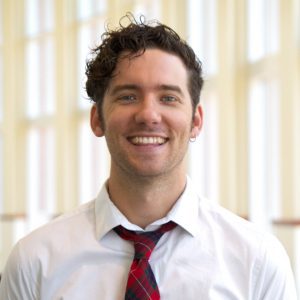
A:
(211, 254)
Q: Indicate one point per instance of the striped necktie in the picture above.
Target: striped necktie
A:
(141, 284)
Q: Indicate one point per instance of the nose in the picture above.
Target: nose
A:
(148, 112)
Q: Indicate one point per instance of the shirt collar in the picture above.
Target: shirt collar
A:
(184, 213)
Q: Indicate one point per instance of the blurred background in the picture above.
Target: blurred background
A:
(247, 157)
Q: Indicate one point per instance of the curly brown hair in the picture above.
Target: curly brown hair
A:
(134, 39)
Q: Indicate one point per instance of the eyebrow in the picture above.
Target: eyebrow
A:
(122, 87)
(170, 87)
(163, 87)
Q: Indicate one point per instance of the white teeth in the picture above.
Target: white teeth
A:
(139, 140)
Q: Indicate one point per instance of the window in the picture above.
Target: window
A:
(40, 171)
(92, 154)
(39, 57)
(263, 111)
(297, 22)
(90, 8)
(39, 15)
(263, 28)
(1, 174)
(94, 162)
(149, 7)
(264, 124)
(1, 107)
(90, 19)
(202, 36)
(40, 83)
(204, 152)
(202, 32)
(1, 84)
(40, 95)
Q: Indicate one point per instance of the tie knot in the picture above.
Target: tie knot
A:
(144, 242)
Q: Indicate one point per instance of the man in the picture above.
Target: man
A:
(146, 82)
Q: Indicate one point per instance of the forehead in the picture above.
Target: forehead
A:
(153, 65)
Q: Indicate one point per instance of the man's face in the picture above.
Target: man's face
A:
(147, 115)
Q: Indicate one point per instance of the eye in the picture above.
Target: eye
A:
(168, 99)
(127, 98)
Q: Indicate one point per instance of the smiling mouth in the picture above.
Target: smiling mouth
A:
(152, 140)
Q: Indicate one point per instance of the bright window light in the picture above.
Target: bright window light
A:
(1, 22)
(40, 79)
(257, 153)
(39, 16)
(84, 46)
(264, 171)
(263, 28)
(204, 155)
(94, 163)
(89, 8)
(202, 32)
(32, 17)
(89, 36)
(1, 175)
(33, 76)
(148, 8)
(47, 88)
(40, 171)
(1, 86)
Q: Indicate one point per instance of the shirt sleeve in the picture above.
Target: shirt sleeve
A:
(275, 280)
(17, 282)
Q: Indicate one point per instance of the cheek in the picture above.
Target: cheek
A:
(117, 121)
(181, 121)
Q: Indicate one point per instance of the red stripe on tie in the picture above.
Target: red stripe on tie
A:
(141, 284)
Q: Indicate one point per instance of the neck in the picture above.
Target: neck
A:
(145, 200)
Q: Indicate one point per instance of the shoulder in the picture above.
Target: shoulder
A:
(249, 249)
(229, 225)
(62, 229)
(47, 244)
(221, 223)
(239, 233)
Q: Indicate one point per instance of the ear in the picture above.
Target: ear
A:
(197, 121)
(95, 122)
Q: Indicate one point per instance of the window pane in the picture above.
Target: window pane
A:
(264, 184)
(1, 175)
(273, 161)
(89, 36)
(40, 93)
(204, 156)
(1, 86)
(263, 28)
(150, 9)
(32, 16)
(32, 58)
(40, 171)
(1, 22)
(297, 21)
(88, 8)
(39, 16)
(1, 59)
(47, 16)
(257, 153)
(94, 163)
(202, 28)
(255, 29)
(47, 86)
(272, 30)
